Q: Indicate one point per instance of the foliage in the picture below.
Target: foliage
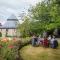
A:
(44, 16)
(9, 50)
(24, 28)
(0, 34)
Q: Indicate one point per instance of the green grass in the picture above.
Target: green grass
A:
(40, 53)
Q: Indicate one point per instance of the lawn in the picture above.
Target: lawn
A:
(39, 53)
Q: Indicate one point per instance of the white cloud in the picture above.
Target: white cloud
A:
(8, 7)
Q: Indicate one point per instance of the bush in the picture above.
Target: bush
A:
(9, 50)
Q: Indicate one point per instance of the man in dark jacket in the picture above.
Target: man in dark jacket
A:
(55, 43)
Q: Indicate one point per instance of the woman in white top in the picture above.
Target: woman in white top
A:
(40, 39)
(49, 38)
(52, 41)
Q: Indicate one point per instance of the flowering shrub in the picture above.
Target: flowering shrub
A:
(5, 39)
(9, 49)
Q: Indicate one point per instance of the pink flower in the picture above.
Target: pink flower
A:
(5, 39)
(11, 46)
(0, 46)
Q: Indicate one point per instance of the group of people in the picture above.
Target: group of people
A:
(49, 41)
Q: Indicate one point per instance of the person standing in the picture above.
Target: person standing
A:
(45, 42)
(40, 40)
(54, 42)
(34, 40)
(49, 39)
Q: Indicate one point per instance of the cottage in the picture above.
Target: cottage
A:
(9, 28)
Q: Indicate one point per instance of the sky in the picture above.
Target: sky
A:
(9, 7)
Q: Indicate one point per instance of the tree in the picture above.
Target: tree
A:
(45, 16)
(24, 28)
(47, 13)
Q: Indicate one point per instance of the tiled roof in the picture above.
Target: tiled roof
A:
(12, 17)
(11, 23)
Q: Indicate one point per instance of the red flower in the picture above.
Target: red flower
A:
(11, 46)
